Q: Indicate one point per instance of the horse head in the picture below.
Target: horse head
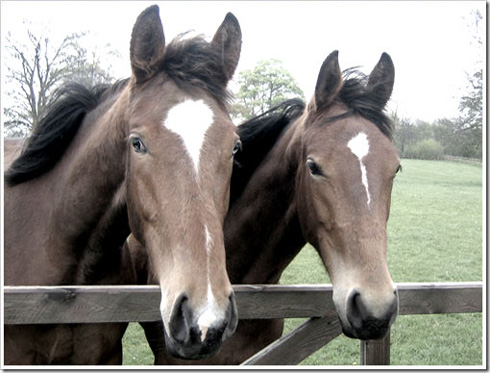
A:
(344, 182)
(181, 142)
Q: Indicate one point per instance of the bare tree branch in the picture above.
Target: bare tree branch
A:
(36, 68)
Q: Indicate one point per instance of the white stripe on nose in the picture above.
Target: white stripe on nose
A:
(211, 312)
(359, 146)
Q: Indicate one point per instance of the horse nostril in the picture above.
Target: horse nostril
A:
(393, 309)
(356, 309)
(231, 317)
(370, 322)
(179, 321)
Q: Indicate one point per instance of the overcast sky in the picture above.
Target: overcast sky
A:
(431, 43)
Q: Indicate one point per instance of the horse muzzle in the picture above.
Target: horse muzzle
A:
(368, 320)
(199, 335)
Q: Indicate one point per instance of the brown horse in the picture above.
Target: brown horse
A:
(151, 155)
(321, 174)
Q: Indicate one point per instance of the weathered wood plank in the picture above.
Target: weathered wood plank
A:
(48, 305)
(89, 304)
(376, 352)
(300, 343)
(433, 298)
(272, 302)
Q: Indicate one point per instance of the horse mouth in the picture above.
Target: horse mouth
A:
(371, 328)
(363, 319)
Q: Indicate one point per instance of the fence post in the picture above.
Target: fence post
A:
(376, 352)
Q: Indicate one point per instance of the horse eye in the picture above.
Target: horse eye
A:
(398, 169)
(237, 147)
(138, 145)
(314, 168)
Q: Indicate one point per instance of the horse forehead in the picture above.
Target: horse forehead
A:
(190, 120)
(359, 145)
(348, 143)
(370, 148)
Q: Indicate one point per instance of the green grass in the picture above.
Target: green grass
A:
(435, 235)
(135, 348)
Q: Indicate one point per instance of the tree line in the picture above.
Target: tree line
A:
(459, 137)
(269, 83)
(38, 67)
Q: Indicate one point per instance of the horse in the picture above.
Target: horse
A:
(320, 173)
(151, 155)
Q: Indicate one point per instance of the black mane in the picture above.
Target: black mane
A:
(359, 98)
(258, 135)
(56, 130)
(189, 63)
(194, 62)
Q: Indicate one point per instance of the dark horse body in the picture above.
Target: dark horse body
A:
(322, 174)
(108, 161)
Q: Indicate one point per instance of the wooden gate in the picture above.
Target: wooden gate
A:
(92, 304)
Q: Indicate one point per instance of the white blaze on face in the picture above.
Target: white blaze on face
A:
(211, 312)
(359, 146)
(190, 120)
(209, 245)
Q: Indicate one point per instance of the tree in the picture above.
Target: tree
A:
(469, 124)
(470, 105)
(34, 69)
(268, 84)
(407, 133)
(86, 67)
(461, 136)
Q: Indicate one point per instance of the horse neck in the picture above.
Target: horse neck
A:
(262, 231)
(90, 193)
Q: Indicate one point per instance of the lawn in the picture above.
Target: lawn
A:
(435, 235)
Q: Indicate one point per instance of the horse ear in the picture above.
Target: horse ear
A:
(381, 80)
(329, 81)
(228, 41)
(147, 44)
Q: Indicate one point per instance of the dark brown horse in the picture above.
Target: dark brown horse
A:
(323, 174)
(151, 155)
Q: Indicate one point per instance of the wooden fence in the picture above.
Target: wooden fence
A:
(94, 304)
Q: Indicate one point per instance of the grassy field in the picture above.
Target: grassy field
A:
(435, 235)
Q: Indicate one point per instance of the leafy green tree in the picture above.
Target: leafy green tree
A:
(425, 149)
(470, 105)
(461, 136)
(266, 85)
(444, 133)
(406, 134)
(35, 68)
(469, 125)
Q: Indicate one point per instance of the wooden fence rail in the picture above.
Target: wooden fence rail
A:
(95, 304)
